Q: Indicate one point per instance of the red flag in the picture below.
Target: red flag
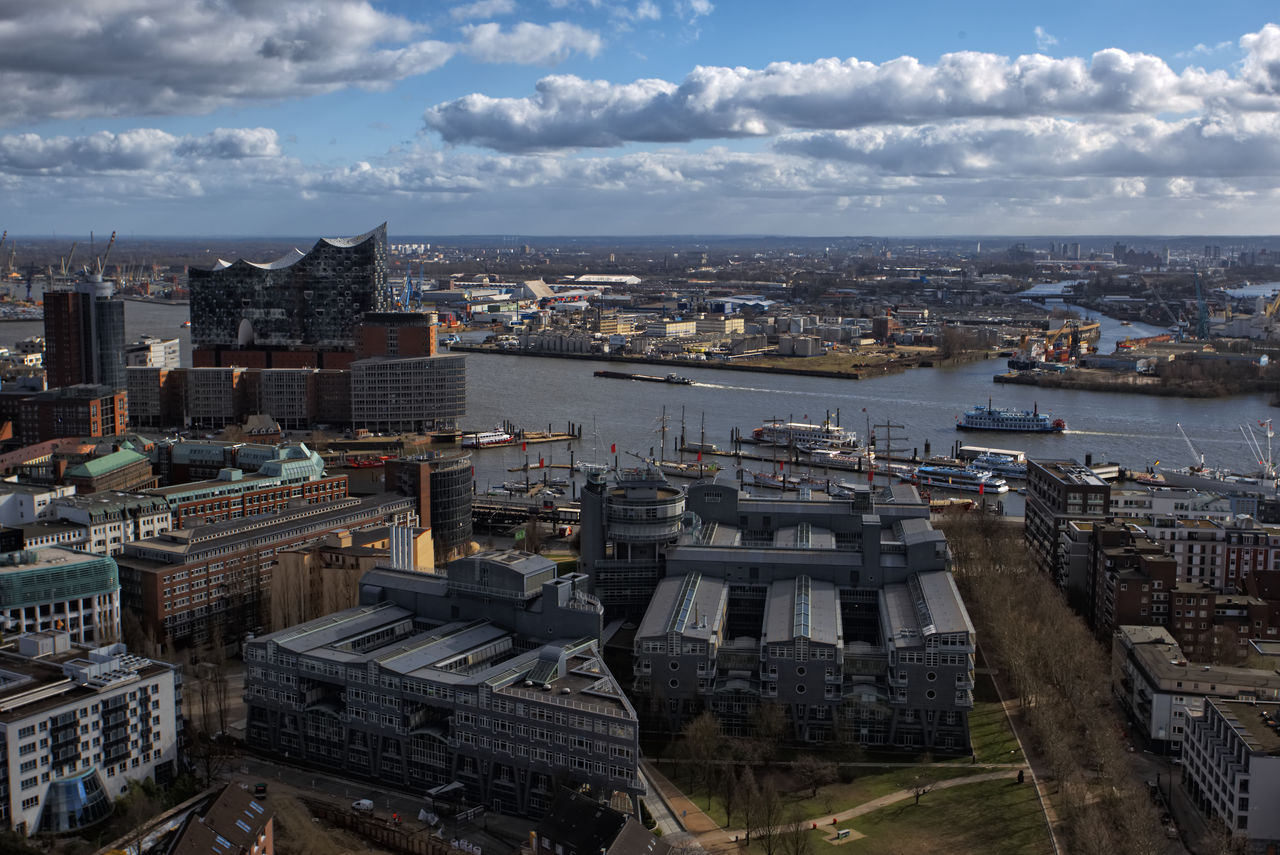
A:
(613, 448)
(699, 456)
(524, 446)
(779, 465)
(540, 463)
(980, 487)
(871, 476)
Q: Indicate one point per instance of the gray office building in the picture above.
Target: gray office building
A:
(842, 611)
(488, 676)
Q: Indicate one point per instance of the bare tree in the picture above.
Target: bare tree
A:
(768, 725)
(794, 838)
(766, 815)
(704, 742)
(813, 772)
(920, 786)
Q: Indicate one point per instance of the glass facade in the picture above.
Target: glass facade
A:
(313, 300)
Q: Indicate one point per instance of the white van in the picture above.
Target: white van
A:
(362, 805)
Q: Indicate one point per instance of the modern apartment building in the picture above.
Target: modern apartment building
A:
(61, 589)
(489, 676)
(191, 584)
(1059, 491)
(84, 410)
(79, 723)
(441, 483)
(1231, 768)
(1161, 688)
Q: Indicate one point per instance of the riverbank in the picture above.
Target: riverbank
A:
(1092, 380)
(812, 366)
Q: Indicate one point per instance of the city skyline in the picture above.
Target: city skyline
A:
(564, 117)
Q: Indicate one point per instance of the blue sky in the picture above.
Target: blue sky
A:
(232, 117)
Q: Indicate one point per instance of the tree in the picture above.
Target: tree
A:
(704, 742)
(813, 772)
(768, 724)
(765, 816)
(795, 839)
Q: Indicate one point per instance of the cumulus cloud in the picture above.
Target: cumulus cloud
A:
(1044, 40)
(727, 103)
(1262, 60)
(530, 43)
(1222, 146)
(90, 58)
(694, 9)
(135, 150)
(482, 9)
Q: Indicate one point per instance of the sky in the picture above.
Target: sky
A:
(639, 117)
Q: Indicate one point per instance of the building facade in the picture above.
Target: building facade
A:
(80, 723)
(1231, 768)
(84, 336)
(417, 395)
(1059, 491)
(61, 589)
(195, 584)
(307, 300)
(489, 676)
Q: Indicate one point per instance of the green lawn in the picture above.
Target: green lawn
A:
(989, 730)
(986, 818)
(870, 784)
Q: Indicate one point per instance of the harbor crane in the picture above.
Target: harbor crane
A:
(1196, 454)
(64, 264)
(1202, 316)
(99, 264)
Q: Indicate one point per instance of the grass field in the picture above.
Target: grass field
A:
(989, 731)
(986, 818)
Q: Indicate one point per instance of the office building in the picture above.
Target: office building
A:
(153, 352)
(288, 312)
(85, 410)
(843, 612)
(489, 676)
(79, 724)
(61, 589)
(440, 482)
(1231, 768)
(84, 336)
(193, 584)
(409, 395)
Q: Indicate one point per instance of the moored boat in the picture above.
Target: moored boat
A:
(967, 479)
(487, 438)
(825, 435)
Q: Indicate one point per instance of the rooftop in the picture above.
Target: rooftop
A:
(1257, 724)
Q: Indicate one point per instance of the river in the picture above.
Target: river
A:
(1134, 430)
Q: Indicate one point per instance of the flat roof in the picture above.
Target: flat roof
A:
(1248, 720)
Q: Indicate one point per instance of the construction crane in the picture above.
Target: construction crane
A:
(100, 264)
(64, 264)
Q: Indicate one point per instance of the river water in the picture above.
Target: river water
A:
(1133, 430)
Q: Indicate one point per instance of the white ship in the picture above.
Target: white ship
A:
(803, 435)
(968, 479)
(487, 438)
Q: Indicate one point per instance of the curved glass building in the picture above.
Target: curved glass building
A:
(312, 300)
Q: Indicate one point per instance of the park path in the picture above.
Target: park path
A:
(712, 838)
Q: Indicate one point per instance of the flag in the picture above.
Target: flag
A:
(540, 463)
(1157, 462)
(981, 487)
(699, 456)
(871, 476)
(524, 446)
(779, 465)
(613, 448)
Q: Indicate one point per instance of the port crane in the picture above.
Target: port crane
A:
(1202, 315)
(1196, 453)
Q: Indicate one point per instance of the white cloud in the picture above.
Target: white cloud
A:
(726, 103)
(694, 9)
(141, 149)
(1044, 40)
(1202, 49)
(1262, 60)
(482, 9)
(151, 57)
(530, 43)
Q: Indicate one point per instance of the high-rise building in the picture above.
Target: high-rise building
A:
(304, 303)
(84, 336)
